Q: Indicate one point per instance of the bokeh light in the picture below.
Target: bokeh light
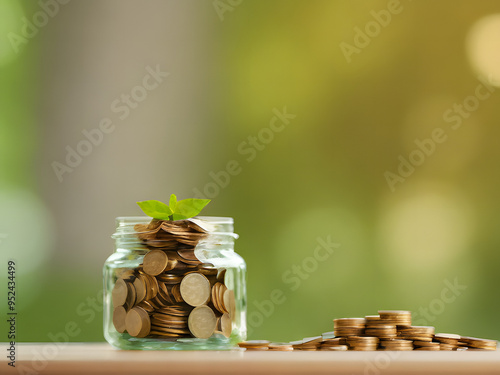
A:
(483, 47)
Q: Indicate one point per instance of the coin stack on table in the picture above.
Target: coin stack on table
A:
(390, 330)
(172, 294)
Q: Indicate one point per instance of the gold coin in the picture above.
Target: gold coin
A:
(155, 262)
(163, 291)
(170, 278)
(220, 298)
(256, 349)
(168, 335)
(140, 288)
(477, 343)
(131, 295)
(390, 313)
(221, 275)
(153, 286)
(433, 348)
(177, 310)
(334, 341)
(187, 254)
(216, 297)
(178, 331)
(207, 269)
(128, 275)
(280, 347)
(418, 329)
(425, 343)
(362, 340)
(202, 322)
(137, 322)
(119, 314)
(349, 322)
(146, 306)
(177, 294)
(226, 325)
(230, 303)
(195, 289)
(335, 348)
(446, 336)
(348, 331)
(254, 344)
(447, 347)
(119, 293)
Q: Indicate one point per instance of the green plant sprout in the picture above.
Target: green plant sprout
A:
(176, 210)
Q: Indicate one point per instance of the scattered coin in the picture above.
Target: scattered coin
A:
(280, 347)
(390, 330)
(254, 344)
(335, 347)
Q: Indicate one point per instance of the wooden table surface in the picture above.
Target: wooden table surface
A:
(101, 358)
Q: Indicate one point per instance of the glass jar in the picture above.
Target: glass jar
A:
(175, 285)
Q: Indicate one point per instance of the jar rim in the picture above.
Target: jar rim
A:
(146, 219)
(215, 225)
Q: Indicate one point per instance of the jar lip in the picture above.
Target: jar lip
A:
(214, 225)
(124, 220)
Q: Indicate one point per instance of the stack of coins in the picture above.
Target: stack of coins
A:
(386, 331)
(426, 345)
(338, 344)
(309, 343)
(255, 345)
(448, 341)
(416, 333)
(346, 327)
(362, 343)
(390, 330)
(396, 345)
(396, 317)
(337, 348)
(479, 344)
(172, 294)
(280, 347)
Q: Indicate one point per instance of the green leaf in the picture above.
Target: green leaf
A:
(155, 209)
(190, 207)
(179, 217)
(173, 203)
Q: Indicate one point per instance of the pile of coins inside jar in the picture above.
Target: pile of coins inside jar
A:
(389, 330)
(172, 294)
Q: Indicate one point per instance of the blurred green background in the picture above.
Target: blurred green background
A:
(367, 81)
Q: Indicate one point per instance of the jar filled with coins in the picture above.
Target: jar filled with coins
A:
(175, 285)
